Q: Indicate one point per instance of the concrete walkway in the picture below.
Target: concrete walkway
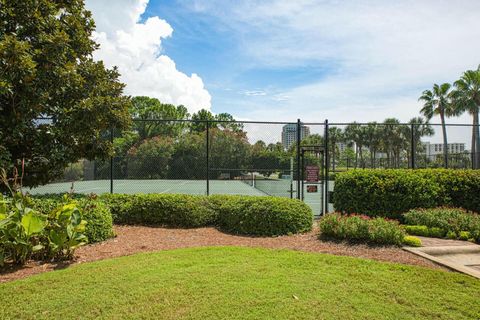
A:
(461, 256)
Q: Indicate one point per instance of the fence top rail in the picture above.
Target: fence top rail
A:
(303, 123)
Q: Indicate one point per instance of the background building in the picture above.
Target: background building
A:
(432, 149)
(289, 134)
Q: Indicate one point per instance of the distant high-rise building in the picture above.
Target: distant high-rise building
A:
(289, 134)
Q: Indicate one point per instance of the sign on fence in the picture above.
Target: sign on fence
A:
(312, 173)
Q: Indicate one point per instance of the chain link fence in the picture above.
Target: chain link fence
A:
(262, 158)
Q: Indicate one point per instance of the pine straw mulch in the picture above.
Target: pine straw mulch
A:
(135, 239)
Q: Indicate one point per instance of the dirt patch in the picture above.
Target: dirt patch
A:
(135, 239)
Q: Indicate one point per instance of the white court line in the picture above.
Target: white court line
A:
(81, 190)
(169, 189)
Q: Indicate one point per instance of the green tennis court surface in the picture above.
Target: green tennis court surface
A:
(280, 188)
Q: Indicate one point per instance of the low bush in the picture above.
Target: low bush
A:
(425, 231)
(412, 241)
(465, 235)
(362, 229)
(266, 216)
(263, 216)
(451, 221)
(172, 210)
(389, 193)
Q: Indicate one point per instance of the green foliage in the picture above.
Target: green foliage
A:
(451, 235)
(173, 210)
(27, 233)
(452, 221)
(145, 108)
(389, 193)
(424, 231)
(464, 235)
(97, 214)
(66, 231)
(150, 159)
(47, 70)
(361, 229)
(412, 241)
(263, 216)
(417, 230)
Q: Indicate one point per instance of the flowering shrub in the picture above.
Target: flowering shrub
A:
(361, 229)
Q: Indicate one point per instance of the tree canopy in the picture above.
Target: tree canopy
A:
(47, 71)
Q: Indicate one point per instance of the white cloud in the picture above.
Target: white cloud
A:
(135, 47)
(380, 55)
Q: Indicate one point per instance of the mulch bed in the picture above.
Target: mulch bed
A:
(135, 239)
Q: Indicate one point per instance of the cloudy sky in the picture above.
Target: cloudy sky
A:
(282, 60)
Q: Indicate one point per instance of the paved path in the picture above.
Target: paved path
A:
(461, 256)
(436, 242)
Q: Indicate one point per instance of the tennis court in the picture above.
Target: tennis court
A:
(279, 188)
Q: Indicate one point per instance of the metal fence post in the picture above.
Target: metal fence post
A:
(327, 160)
(111, 162)
(412, 146)
(299, 170)
(208, 158)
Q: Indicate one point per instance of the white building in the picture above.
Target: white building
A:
(289, 134)
(432, 149)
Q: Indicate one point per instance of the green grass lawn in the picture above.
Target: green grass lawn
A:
(241, 283)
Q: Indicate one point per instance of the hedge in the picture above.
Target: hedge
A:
(391, 192)
(96, 213)
(173, 210)
(261, 216)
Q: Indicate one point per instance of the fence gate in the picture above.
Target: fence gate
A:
(312, 179)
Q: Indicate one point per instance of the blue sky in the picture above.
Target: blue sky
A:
(280, 60)
(203, 44)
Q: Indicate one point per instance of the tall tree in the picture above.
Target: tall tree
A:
(355, 133)
(146, 109)
(393, 141)
(47, 70)
(198, 120)
(335, 136)
(466, 97)
(417, 129)
(372, 141)
(438, 102)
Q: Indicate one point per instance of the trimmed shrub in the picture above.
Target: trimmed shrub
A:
(464, 235)
(412, 241)
(263, 216)
(389, 193)
(425, 231)
(362, 229)
(172, 210)
(417, 230)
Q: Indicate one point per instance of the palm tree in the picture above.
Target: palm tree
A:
(393, 141)
(438, 102)
(372, 136)
(355, 133)
(466, 97)
(417, 129)
(335, 135)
